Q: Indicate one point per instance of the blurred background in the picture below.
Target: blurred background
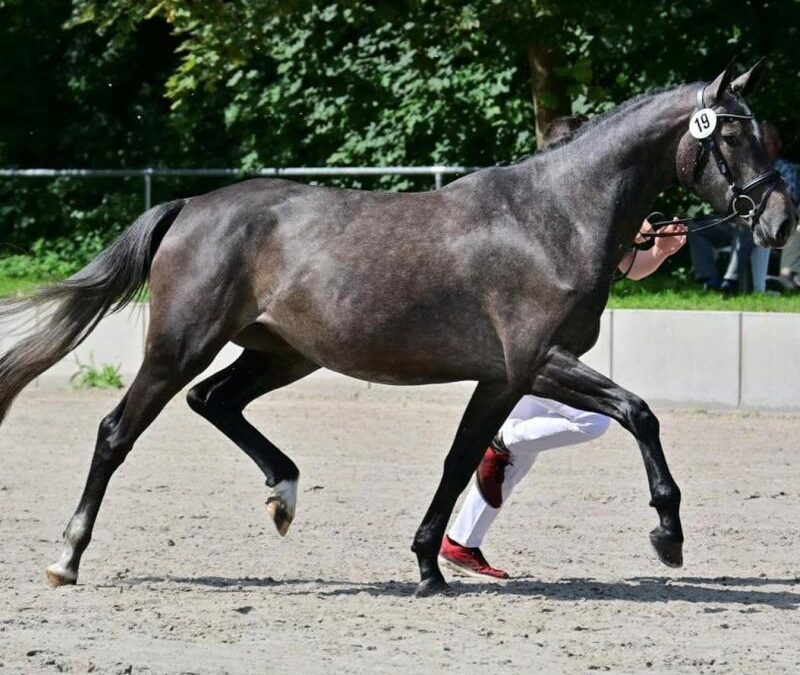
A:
(261, 83)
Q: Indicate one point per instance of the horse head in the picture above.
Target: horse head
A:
(722, 159)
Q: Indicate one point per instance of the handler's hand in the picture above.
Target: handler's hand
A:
(644, 229)
(666, 246)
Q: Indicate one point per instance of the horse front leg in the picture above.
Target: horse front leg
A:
(566, 379)
(489, 406)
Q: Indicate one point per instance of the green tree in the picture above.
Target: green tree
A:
(72, 99)
(252, 83)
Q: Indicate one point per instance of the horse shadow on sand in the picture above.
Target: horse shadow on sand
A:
(726, 590)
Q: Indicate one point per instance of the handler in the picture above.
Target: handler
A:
(534, 425)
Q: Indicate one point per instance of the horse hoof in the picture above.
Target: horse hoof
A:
(59, 576)
(281, 505)
(668, 549)
(430, 587)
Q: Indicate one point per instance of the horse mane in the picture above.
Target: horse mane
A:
(586, 127)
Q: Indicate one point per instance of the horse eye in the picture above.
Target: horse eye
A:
(730, 139)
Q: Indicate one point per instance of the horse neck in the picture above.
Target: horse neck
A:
(620, 165)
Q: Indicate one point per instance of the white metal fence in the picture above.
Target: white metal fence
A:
(147, 174)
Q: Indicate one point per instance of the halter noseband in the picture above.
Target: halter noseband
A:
(739, 194)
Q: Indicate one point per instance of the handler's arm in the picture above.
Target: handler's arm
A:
(644, 263)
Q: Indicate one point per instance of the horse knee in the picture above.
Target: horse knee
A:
(640, 419)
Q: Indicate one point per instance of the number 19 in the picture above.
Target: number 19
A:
(702, 122)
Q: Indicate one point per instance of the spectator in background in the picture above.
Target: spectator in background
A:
(790, 256)
(703, 246)
(744, 248)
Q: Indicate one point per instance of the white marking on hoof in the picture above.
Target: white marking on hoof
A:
(65, 571)
(58, 575)
(281, 505)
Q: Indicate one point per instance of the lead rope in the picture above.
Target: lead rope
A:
(619, 276)
(684, 221)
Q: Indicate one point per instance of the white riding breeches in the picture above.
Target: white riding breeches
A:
(535, 424)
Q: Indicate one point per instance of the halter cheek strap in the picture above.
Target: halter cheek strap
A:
(701, 96)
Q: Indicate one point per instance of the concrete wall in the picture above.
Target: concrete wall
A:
(675, 358)
(770, 365)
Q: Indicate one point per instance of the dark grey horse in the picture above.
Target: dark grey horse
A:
(500, 277)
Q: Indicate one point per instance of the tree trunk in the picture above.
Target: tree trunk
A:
(549, 91)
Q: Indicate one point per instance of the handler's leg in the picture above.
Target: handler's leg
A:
(488, 407)
(565, 378)
(759, 265)
(790, 259)
(533, 426)
(701, 249)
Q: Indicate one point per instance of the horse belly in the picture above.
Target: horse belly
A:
(397, 352)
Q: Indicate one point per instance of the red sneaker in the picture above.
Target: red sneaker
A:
(467, 561)
(491, 473)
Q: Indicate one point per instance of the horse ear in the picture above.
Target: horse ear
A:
(719, 85)
(747, 82)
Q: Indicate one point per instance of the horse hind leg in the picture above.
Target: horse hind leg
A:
(162, 374)
(221, 400)
(78, 530)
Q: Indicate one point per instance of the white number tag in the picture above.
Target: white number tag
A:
(703, 123)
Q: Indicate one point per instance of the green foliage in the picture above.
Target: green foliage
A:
(693, 298)
(72, 99)
(675, 288)
(10, 286)
(336, 83)
(54, 259)
(88, 376)
(250, 83)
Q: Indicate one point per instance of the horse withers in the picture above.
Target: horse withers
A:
(500, 277)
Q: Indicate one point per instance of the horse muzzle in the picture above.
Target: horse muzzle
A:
(775, 231)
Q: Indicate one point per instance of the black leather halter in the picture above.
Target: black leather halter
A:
(737, 194)
(740, 202)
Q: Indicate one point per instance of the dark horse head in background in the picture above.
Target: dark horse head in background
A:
(500, 277)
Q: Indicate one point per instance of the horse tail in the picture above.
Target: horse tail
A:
(76, 305)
